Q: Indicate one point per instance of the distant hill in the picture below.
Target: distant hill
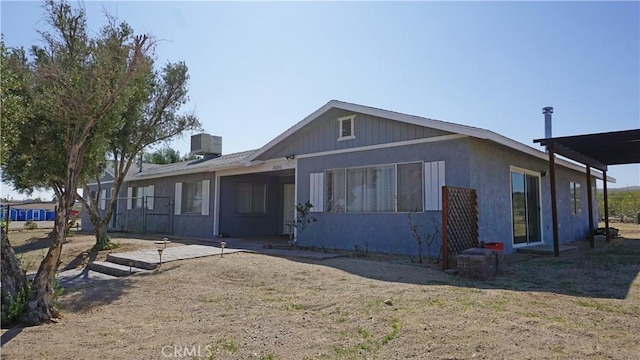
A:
(622, 189)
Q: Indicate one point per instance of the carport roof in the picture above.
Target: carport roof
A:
(600, 149)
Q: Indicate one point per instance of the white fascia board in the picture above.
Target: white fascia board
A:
(260, 166)
(410, 119)
(326, 107)
(101, 183)
(386, 114)
(182, 172)
(383, 146)
(497, 138)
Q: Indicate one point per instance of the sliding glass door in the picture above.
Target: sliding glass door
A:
(525, 207)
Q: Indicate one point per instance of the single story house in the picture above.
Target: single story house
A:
(25, 211)
(363, 169)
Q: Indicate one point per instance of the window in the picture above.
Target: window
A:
(346, 128)
(136, 197)
(192, 197)
(575, 198)
(410, 187)
(525, 206)
(336, 199)
(103, 199)
(384, 188)
(371, 189)
(251, 198)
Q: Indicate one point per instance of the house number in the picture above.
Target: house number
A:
(277, 167)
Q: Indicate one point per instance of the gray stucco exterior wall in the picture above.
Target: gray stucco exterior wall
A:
(380, 232)
(185, 224)
(491, 177)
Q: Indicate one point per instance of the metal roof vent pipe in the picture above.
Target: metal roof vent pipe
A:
(547, 111)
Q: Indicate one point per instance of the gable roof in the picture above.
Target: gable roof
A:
(191, 166)
(471, 131)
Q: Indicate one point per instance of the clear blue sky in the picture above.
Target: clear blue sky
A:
(257, 68)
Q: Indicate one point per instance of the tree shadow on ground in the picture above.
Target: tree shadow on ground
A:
(31, 244)
(84, 297)
(81, 260)
(10, 334)
(608, 271)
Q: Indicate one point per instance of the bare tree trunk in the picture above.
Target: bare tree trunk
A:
(40, 308)
(99, 224)
(15, 285)
(102, 238)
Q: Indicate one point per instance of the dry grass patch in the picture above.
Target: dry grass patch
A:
(584, 304)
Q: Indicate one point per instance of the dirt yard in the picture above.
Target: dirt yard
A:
(584, 304)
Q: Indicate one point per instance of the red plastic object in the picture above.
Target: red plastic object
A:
(494, 246)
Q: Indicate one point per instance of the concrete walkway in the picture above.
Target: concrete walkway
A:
(148, 260)
(544, 249)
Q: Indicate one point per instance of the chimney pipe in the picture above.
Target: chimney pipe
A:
(547, 111)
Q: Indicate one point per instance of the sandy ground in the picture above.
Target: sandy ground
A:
(585, 304)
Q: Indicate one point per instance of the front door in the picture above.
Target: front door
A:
(289, 206)
(525, 205)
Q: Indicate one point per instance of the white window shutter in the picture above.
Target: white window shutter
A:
(129, 196)
(206, 184)
(441, 183)
(177, 206)
(149, 195)
(103, 201)
(316, 191)
(433, 181)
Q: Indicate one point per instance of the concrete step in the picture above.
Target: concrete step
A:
(132, 259)
(74, 277)
(113, 269)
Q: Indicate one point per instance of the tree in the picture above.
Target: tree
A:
(74, 86)
(14, 106)
(150, 117)
(162, 156)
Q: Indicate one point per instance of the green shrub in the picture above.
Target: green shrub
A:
(13, 308)
(57, 291)
(30, 225)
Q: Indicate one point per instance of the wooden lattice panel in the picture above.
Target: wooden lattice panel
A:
(459, 221)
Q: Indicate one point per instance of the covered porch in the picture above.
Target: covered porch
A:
(597, 151)
(255, 203)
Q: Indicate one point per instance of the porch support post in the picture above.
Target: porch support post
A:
(554, 206)
(606, 206)
(445, 227)
(590, 200)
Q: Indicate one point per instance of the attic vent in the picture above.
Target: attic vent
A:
(207, 145)
(346, 127)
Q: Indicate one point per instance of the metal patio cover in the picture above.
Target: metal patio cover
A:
(598, 150)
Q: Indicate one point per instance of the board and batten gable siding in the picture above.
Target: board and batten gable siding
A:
(322, 134)
(385, 231)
